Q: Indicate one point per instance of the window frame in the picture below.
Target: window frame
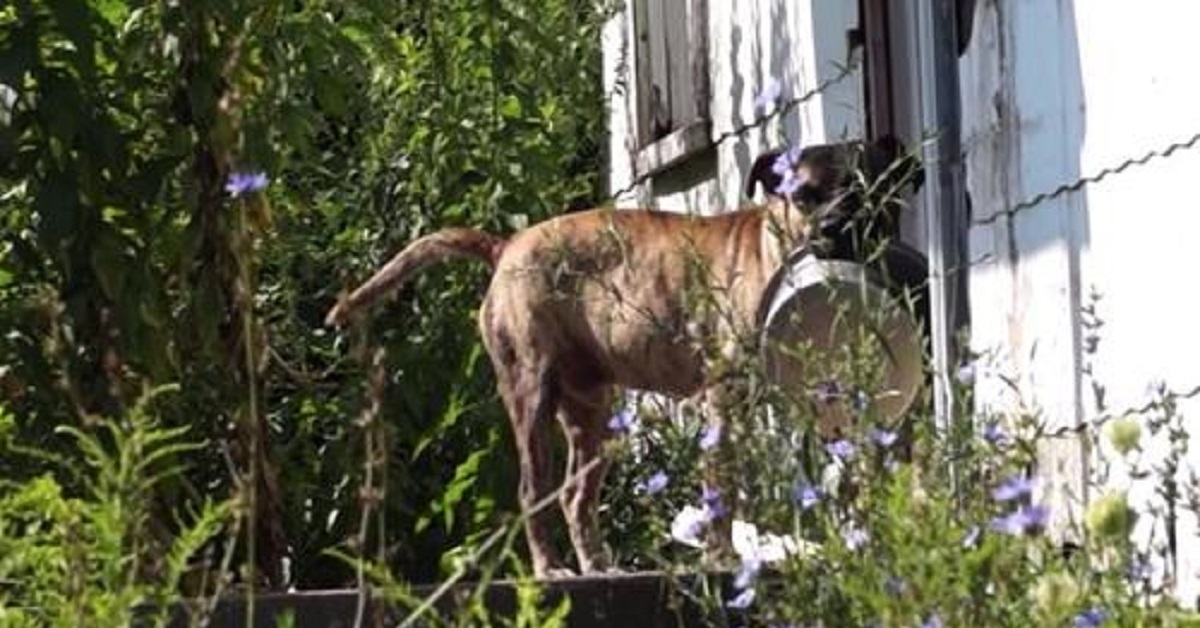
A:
(658, 151)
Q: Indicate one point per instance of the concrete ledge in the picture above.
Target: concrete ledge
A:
(643, 600)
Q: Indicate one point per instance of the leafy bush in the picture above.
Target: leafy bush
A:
(875, 527)
(125, 261)
(110, 554)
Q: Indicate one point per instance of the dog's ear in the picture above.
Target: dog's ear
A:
(762, 172)
(823, 170)
(828, 170)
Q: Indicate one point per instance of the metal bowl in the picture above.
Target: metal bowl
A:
(817, 312)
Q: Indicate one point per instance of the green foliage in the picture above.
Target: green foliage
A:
(123, 262)
(869, 529)
(637, 523)
(125, 265)
(111, 553)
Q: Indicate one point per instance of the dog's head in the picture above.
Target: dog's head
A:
(825, 171)
(855, 190)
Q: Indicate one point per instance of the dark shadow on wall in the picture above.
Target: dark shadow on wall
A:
(696, 171)
(742, 155)
(1026, 141)
(1023, 131)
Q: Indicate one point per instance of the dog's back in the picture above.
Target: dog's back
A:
(628, 296)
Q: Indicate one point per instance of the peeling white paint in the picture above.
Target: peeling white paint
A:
(1053, 91)
(749, 41)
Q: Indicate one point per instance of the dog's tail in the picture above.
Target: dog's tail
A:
(421, 253)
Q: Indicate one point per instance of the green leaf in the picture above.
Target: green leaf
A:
(510, 107)
(115, 12)
(465, 476)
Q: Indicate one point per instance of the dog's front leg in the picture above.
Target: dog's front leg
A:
(718, 470)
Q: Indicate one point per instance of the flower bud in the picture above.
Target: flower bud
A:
(1056, 591)
(1110, 517)
(1125, 435)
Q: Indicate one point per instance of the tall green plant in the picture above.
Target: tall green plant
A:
(491, 119)
(123, 260)
(104, 556)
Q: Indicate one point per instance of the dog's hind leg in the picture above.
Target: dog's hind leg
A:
(584, 416)
(531, 398)
(530, 395)
(530, 390)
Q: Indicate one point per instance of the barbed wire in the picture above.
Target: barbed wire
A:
(1083, 427)
(1078, 184)
(1063, 189)
(1191, 143)
(739, 130)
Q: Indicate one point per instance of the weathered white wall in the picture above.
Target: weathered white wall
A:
(1022, 106)
(749, 41)
(1053, 90)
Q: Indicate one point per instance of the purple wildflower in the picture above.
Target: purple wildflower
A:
(855, 538)
(747, 573)
(622, 422)
(687, 525)
(786, 161)
(993, 434)
(1022, 521)
(1014, 488)
(841, 449)
(743, 600)
(1140, 570)
(934, 621)
(895, 586)
(884, 438)
(1092, 618)
(827, 392)
(713, 506)
(241, 183)
(769, 94)
(785, 167)
(710, 437)
(655, 483)
(807, 496)
(789, 184)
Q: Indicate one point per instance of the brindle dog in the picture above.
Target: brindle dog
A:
(589, 302)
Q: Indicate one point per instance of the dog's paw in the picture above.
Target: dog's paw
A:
(556, 573)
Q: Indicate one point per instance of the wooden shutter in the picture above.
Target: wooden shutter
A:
(671, 66)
